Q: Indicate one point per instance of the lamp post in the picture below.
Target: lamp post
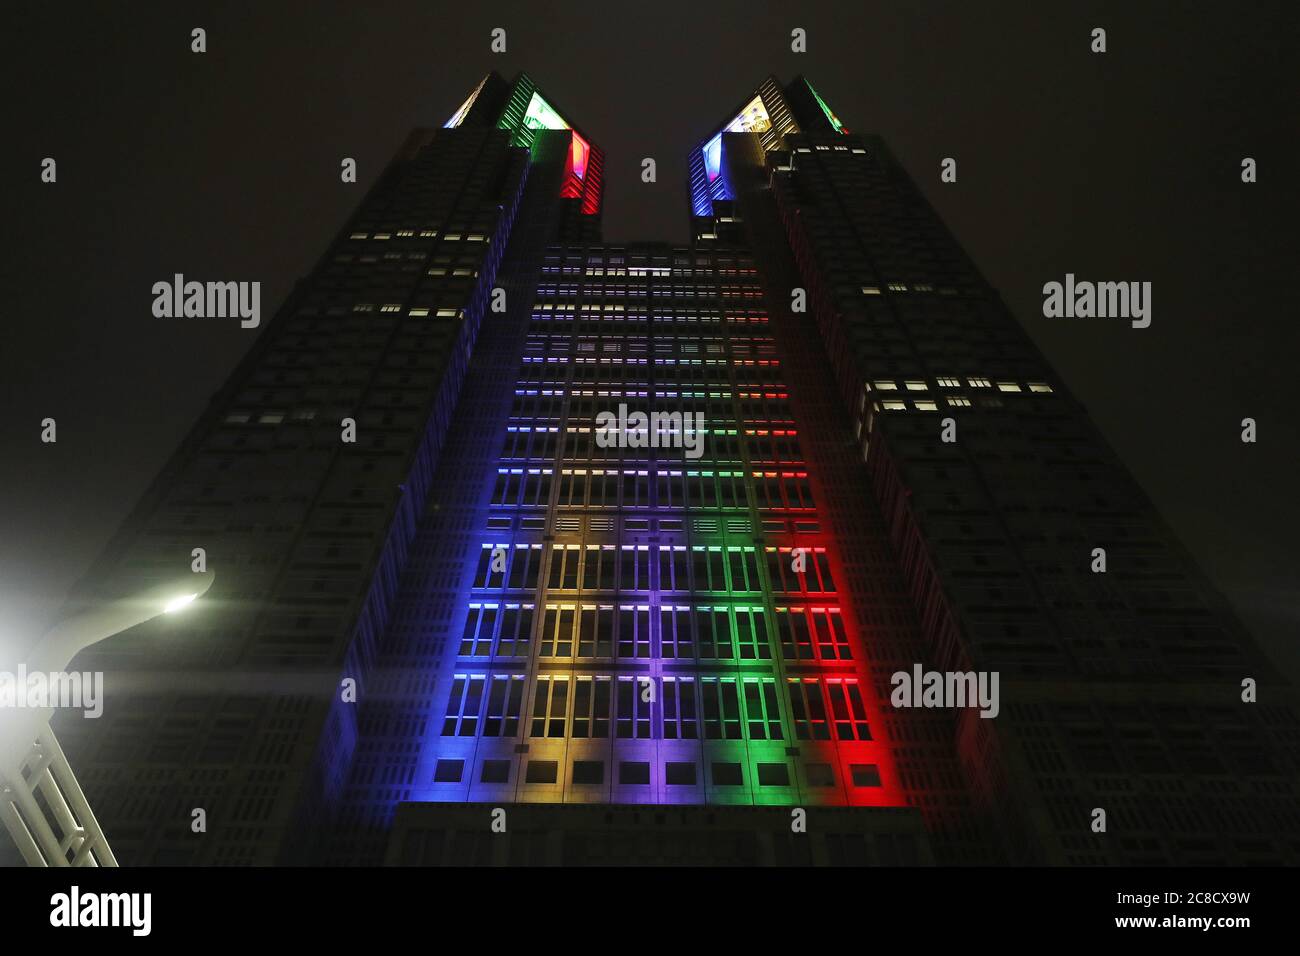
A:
(32, 763)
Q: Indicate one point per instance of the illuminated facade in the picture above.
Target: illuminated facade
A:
(652, 648)
(1121, 691)
(643, 630)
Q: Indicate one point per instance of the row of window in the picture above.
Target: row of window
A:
(768, 490)
(608, 567)
(722, 408)
(450, 235)
(665, 290)
(919, 385)
(709, 369)
(603, 398)
(675, 774)
(641, 632)
(593, 323)
(762, 446)
(573, 257)
(930, 405)
(643, 708)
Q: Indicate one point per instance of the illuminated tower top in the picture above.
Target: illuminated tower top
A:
(519, 107)
(772, 111)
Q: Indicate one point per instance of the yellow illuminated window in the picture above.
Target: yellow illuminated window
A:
(752, 119)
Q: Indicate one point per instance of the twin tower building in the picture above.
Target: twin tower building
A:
(471, 632)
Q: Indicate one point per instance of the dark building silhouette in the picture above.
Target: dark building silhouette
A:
(664, 641)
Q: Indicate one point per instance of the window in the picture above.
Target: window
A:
(634, 631)
(480, 626)
(848, 710)
(721, 708)
(865, 774)
(541, 771)
(564, 567)
(763, 717)
(598, 568)
(505, 701)
(713, 631)
(495, 771)
(680, 714)
(463, 705)
(773, 775)
(675, 637)
(820, 775)
(679, 774)
(743, 563)
(751, 634)
(808, 709)
(588, 772)
(633, 772)
(591, 700)
(596, 631)
(557, 631)
(524, 566)
(708, 569)
(796, 641)
(516, 627)
(832, 642)
(672, 568)
(549, 707)
(728, 775)
(448, 771)
(633, 718)
(634, 568)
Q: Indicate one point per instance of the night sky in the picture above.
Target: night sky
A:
(1122, 166)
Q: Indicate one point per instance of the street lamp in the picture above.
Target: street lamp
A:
(32, 762)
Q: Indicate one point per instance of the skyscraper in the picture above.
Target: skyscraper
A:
(626, 543)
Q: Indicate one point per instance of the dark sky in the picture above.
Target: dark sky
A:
(1123, 166)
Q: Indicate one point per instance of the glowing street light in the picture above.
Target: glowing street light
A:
(176, 603)
(32, 762)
